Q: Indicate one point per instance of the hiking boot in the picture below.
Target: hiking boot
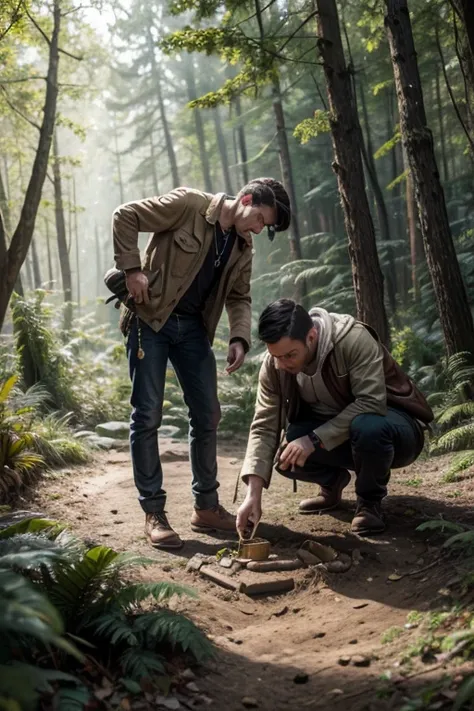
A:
(368, 519)
(329, 496)
(159, 532)
(215, 519)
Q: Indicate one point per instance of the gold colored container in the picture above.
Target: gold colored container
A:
(255, 549)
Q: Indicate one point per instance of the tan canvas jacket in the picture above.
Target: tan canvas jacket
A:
(361, 376)
(183, 223)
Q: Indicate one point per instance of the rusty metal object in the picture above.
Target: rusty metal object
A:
(223, 580)
(268, 587)
(265, 566)
(255, 549)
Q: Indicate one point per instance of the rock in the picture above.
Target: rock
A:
(226, 561)
(281, 612)
(249, 702)
(168, 702)
(356, 556)
(115, 430)
(202, 699)
(114, 511)
(319, 635)
(344, 661)
(353, 641)
(188, 675)
(192, 687)
(83, 433)
(360, 661)
(301, 678)
(170, 455)
(168, 431)
(106, 443)
(196, 562)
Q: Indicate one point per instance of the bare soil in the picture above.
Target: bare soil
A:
(264, 643)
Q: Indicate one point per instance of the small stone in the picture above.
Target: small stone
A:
(353, 641)
(192, 687)
(114, 511)
(360, 605)
(361, 661)
(335, 692)
(344, 661)
(250, 702)
(202, 699)
(295, 610)
(229, 627)
(281, 612)
(301, 678)
(226, 561)
(319, 635)
(188, 674)
(168, 702)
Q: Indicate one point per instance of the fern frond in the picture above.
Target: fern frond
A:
(31, 525)
(455, 440)
(177, 630)
(455, 414)
(115, 627)
(140, 663)
(135, 593)
(459, 464)
(461, 540)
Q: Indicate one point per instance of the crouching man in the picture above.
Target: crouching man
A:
(342, 402)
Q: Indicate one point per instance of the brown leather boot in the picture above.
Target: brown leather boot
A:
(329, 496)
(215, 519)
(368, 519)
(159, 532)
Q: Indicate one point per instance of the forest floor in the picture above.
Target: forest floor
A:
(264, 643)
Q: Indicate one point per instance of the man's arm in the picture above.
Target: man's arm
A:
(238, 307)
(155, 214)
(264, 436)
(367, 378)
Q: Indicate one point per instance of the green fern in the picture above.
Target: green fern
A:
(134, 594)
(461, 540)
(455, 440)
(140, 663)
(178, 631)
(441, 526)
(455, 414)
(458, 465)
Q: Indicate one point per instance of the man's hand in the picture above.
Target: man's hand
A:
(235, 356)
(249, 513)
(137, 285)
(296, 453)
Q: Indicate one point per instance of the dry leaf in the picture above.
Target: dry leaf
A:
(395, 577)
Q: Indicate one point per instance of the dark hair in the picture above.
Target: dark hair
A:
(267, 191)
(284, 318)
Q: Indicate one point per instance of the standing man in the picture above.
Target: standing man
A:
(343, 403)
(198, 260)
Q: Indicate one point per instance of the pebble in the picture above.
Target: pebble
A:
(192, 687)
(301, 678)
(188, 674)
(361, 661)
(353, 641)
(319, 635)
(250, 702)
(114, 511)
(344, 661)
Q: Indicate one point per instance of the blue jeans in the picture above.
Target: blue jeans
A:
(376, 445)
(184, 341)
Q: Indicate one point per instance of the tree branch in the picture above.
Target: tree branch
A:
(40, 30)
(18, 81)
(17, 111)
(320, 93)
(450, 91)
(68, 54)
(310, 17)
(14, 19)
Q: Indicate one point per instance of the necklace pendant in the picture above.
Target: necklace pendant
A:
(140, 354)
(217, 263)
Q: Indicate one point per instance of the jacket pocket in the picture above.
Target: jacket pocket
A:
(185, 252)
(155, 281)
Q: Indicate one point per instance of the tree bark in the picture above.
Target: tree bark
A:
(439, 111)
(50, 261)
(382, 214)
(76, 242)
(366, 273)
(161, 103)
(63, 252)
(242, 141)
(450, 293)
(222, 145)
(199, 125)
(12, 258)
(36, 265)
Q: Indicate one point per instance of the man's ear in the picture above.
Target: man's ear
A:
(312, 336)
(246, 200)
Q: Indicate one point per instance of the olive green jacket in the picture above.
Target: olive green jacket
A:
(183, 226)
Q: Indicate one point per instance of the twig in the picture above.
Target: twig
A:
(18, 81)
(14, 19)
(422, 570)
(40, 29)
(20, 113)
(68, 54)
(302, 24)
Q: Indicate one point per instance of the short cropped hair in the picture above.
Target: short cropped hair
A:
(268, 191)
(284, 318)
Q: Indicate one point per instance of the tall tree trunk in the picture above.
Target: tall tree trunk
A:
(450, 293)
(5, 208)
(119, 164)
(366, 273)
(12, 258)
(36, 265)
(76, 242)
(50, 261)
(440, 113)
(242, 141)
(415, 239)
(63, 252)
(157, 81)
(199, 125)
(382, 214)
(222, 145)
(286, 170)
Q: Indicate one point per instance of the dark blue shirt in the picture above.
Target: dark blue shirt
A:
(193, 301)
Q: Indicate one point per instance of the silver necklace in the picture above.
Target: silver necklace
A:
(226, 235)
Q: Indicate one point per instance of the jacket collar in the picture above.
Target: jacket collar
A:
(213, 212)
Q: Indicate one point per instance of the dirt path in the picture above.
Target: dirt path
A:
(263, 644)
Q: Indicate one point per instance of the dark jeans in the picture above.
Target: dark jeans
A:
(377, 444)
(184, 341)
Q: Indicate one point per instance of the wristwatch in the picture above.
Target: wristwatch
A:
(314, 439)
